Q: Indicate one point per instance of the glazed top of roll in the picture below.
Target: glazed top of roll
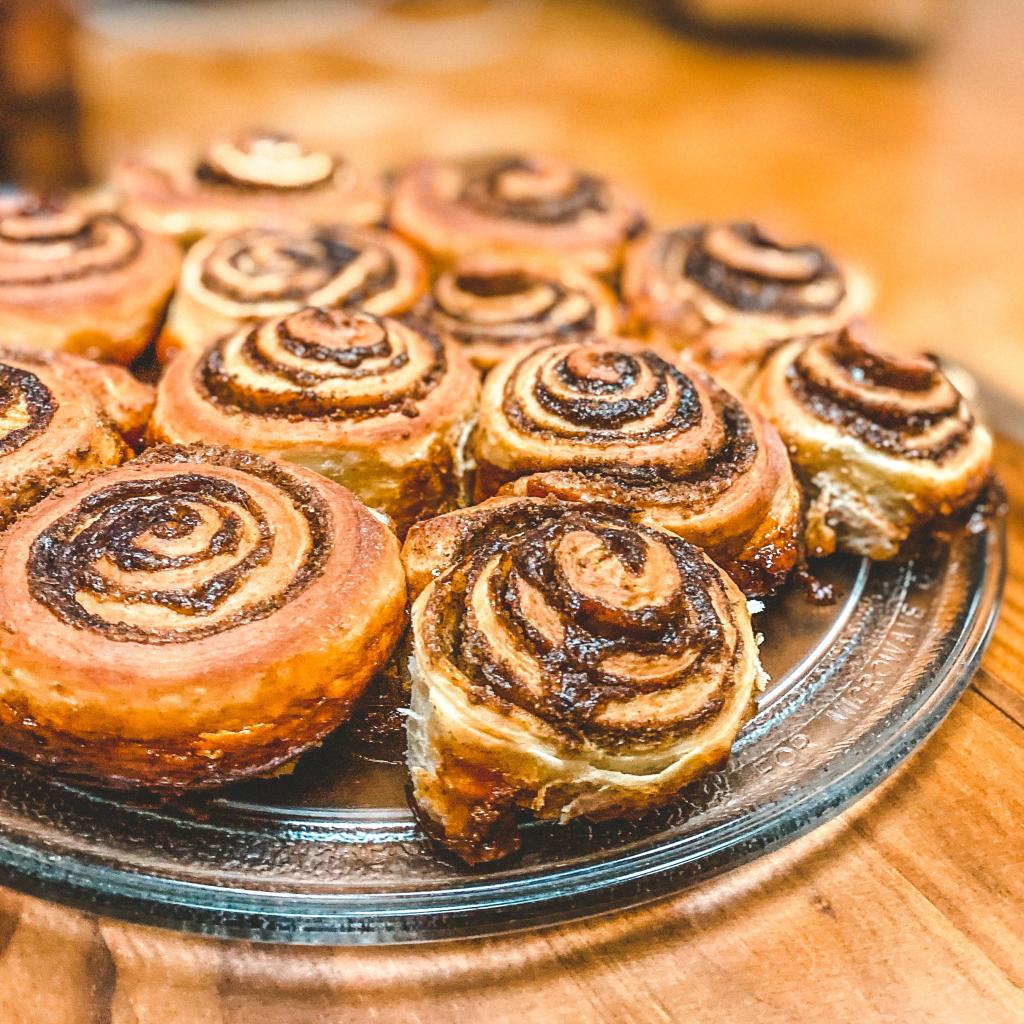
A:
(898, 406)
(186, 563)
(521, 203)
(262, 272)
(495, 305)
(56, 255)
(318, 378)
(735, 273)
(618, 637)
(629, 426)
(260, 172)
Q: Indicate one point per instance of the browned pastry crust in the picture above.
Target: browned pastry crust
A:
(883, 443)
(62, 418)
(254, 179)
(193, 617)
(262, 272)
(569, 659)
(496, 306)
(77, 280)
(373, 403)
(610, 420)
(729, 292)
(516, 204)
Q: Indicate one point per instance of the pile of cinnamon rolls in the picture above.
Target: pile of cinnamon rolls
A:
(480, 404)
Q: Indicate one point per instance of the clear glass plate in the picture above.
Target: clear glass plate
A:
(331, 854)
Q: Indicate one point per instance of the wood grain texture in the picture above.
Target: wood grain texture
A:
(909, 907)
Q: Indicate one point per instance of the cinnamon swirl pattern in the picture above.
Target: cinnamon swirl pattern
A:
(193, 617)
(608, 420)
(496, 306)
(521, 204)
(373, 403)
(61, 418)
(729, 292)
(263, 272)
(569, 660)
(247, 181)
(883, 443)
(77, 280)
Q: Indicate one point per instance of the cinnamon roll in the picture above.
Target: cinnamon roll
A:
(80, 280)
(495, 306)
(519, 204)
(570, 660)
(262, 272)
(882, 443)
(257, 178)
(193, 617)
(729, 292)
(608, 420)
(62, 418)
(373, 403)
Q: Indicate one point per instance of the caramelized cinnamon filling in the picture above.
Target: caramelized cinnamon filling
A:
(323, 363)
(265, 265)
(544, 191)
(897, 405)
(748, 271)
(265, 161)
(45, 243)
(572, 614)
(114, 564)
(27, 407)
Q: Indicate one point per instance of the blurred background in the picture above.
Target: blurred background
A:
(889, 130)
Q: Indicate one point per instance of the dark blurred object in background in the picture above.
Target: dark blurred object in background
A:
(864, 27)
(38, 109)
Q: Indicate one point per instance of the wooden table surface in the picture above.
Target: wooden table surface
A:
(908, 907)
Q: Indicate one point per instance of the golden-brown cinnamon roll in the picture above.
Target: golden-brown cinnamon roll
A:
(568, 659)
(495, 306)
(608, 420)
(254, 179)
(77, 280)
(193, 617)
(519, 204)
(882, 443)
(373, 403)
(62, 418)
(262, 272)
(729, 292)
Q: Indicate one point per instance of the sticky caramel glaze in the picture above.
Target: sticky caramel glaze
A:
(373, 403)
(608, 420)
(197, 616)
(262, 272)
(253, 180)
(495, 306)
(76, 280)
(884, 444)
(533, 205)
(729, 293)
(61, 418)
(569, 659)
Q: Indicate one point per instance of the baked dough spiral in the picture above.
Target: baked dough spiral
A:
(193, 617)
(729, 292)
(883, 443)
(262, 272)
(522, 204)
(253, 179)
(568, 659)
(373, 403)
(62, 418)
(608, 420)
(495, 306)
(80, 280)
